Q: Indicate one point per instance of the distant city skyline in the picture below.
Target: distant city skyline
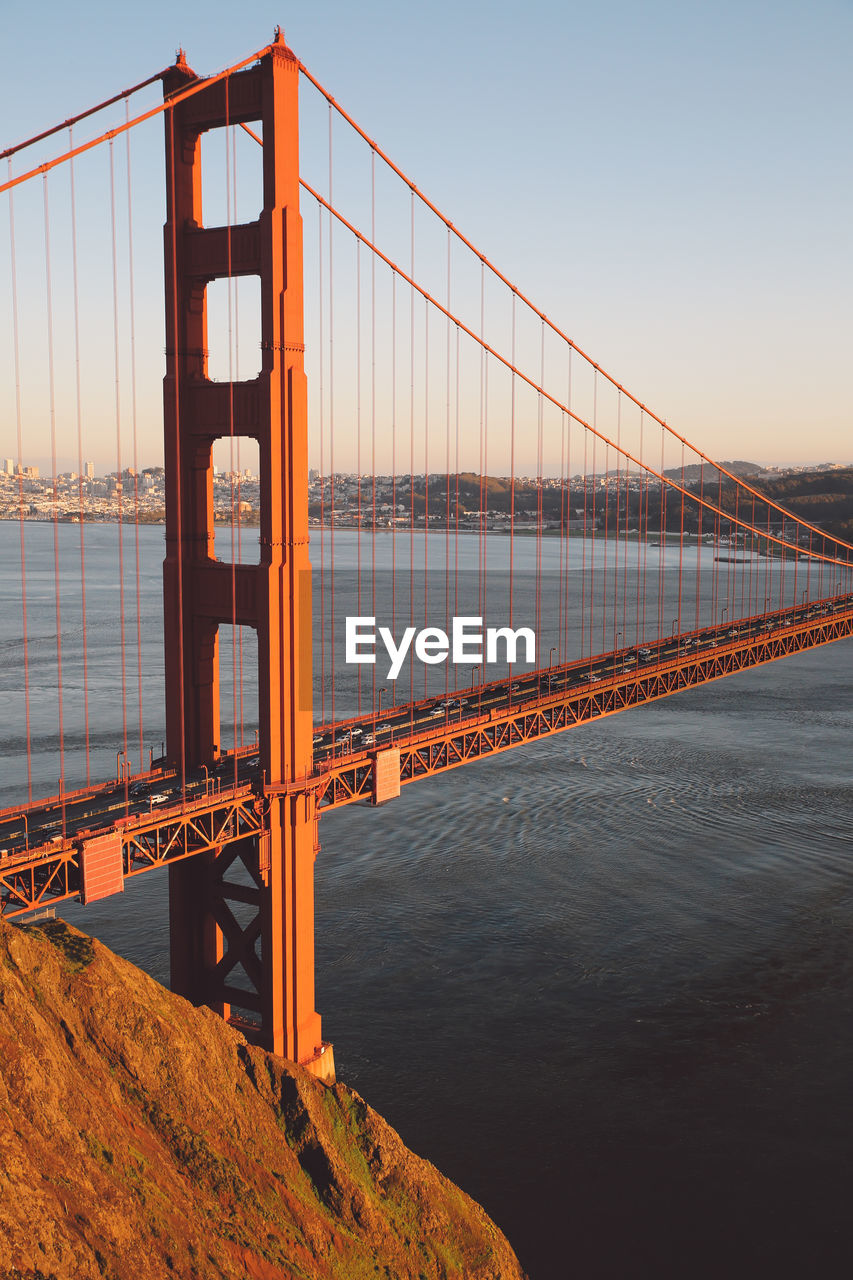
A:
(669, 188)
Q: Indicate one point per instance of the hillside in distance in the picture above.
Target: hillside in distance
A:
(141, 1137)
(822, 497)
(692, 473)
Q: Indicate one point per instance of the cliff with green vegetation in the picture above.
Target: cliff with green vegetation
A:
(143, 1138)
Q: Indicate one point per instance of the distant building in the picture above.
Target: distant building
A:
(89, 470)
(9, 466)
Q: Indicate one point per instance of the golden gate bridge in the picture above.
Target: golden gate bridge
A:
(468, 460)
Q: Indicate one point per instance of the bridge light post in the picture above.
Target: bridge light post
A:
(551, 656)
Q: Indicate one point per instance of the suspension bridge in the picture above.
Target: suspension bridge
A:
(441, 446)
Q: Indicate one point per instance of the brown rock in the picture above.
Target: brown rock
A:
(143, 1138)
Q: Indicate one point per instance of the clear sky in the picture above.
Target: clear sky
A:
(671, 182)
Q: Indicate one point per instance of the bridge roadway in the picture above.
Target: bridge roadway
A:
(161, 817)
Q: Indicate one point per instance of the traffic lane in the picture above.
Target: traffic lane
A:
(94, 809)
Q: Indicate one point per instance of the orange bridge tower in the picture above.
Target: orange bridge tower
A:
(260, 974)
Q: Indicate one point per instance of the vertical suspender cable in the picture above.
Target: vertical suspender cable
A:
(617, 631)
(52, 403)
(331, 426)
(181, 763)
(394, 465)
(481, 464)
(447, 470)
(238, 631)
(594, 515)
(235, 509)
(606, 488)
(698, 548)
(358, 443)
(79, 405)
(563, 547)
(20, 439)
(322, 478)
(680, 541)
(512, 396)
(625, 543)
(662, 549)
(119, 482)
(568, 504)
(485, 500)
(426, 479)
(373, 402)
(540, 430)
(734, 576)
(640, 501)
(237, 379)
(412, 452)
(583, 544)
(456, 417)
(132, 303)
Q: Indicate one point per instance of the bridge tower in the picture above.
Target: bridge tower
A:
(263, 970)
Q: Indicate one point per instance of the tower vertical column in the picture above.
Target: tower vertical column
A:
(208, 945)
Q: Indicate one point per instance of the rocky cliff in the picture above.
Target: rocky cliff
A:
(142, 1138)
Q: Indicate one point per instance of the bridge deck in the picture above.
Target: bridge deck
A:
(160, 818)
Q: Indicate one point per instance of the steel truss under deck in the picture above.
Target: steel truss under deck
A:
(217, 823)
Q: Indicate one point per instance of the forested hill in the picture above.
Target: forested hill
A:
(824, 498)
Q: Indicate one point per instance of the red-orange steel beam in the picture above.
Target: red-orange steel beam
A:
(175, 98)
(148, 841)
(82, 115)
